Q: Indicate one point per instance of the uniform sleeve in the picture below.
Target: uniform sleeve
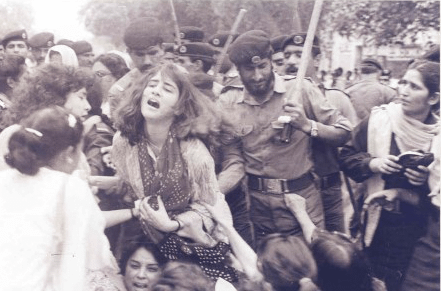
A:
(354, 159)
(100, 136)
(319, 109)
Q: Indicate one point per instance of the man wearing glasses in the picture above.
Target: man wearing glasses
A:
(144, 45)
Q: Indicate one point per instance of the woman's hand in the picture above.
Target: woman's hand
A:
(417, 178)
(159, 218)
(215, 212)
(296, 203)
(387, 165)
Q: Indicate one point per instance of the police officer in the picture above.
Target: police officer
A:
(144, 46)
(40, 45)
(197, 59)
(189, 34)
(16, 42)
(278, 58)
(325, 155)
(84, 52)
(253, 150)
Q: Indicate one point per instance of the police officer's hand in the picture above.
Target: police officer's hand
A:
(387, 165)
(298, 118)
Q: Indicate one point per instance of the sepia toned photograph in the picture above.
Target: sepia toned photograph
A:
(220, 145)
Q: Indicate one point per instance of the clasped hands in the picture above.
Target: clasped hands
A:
(388, 165)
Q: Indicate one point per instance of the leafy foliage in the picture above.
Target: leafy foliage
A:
(15, 15)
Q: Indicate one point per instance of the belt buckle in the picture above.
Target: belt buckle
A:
(273, 186)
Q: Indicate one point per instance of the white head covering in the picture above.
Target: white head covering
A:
(68, 56)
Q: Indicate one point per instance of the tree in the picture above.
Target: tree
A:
(15, 15)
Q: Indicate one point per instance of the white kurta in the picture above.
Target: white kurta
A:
(51, 232)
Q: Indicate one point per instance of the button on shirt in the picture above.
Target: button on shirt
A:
(255, 147)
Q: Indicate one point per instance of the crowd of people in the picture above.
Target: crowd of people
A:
(175, 166)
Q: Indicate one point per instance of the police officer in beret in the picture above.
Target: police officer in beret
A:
(84, 52)
(325, 155)
(40, 45)
(278, 58)
(143, 38)
(197, 59)
(15, 42)
(253, 149)
(189, 34)
(368, 91)
(228, 74)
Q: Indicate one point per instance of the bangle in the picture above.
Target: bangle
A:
(179, 225)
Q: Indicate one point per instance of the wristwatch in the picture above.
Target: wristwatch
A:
(314, 129)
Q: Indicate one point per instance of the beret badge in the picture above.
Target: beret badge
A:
(182, 35)
(255, 59)
(183, 49)
(23, 35)
(298, 40)
(216, 41)
(50, 43)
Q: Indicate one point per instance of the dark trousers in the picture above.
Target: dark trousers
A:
(236, 200)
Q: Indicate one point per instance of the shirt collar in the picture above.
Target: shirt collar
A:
(278, 87)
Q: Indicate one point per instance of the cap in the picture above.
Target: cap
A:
(42, 39)
(219, 39)
(299, 39)
(277, 42)
(15, 35)
(369, 62)
(81, 47)
(143, 33)
(198, 50)
(250, 47)
(66, 42)
(191, 33)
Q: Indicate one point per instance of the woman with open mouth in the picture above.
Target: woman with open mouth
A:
(158, 151)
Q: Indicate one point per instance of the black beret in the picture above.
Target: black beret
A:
(197, 50)
(81, 47)
(432, 54)
(15, 35)
(143, 33)
(191, 33)
(298, 39)
(369, 62)
(42, 39)
(66, 42)
(250, 47)
(219, 39)
(277, 42)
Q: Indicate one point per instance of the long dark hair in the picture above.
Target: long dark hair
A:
(196, 115)
(41, 137)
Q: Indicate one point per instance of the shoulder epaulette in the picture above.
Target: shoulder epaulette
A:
(228, 88)
(291, 77)
(338, 90)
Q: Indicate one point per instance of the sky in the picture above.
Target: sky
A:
(60, 17)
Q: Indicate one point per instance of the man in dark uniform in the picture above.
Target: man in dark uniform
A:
(272, 168)
(368, 91)
(197, 59)
(84, 52)
(278, 57)
(144, 45)
(325, 155)
(40, 45)
(16, 42)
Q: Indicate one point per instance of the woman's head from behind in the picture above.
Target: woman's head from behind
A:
(180, 276)
(141, 264)
(48, 137)
(285, 261)
(419, 89)
(342, 266)
(49, 85)
(166, 95)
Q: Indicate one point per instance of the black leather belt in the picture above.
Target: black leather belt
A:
(330, 180)
(279, 186)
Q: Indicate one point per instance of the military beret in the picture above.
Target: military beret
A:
(81, 47)
(250, 47)
(191, 33)
(219, 39)
(369, 62)
(277, 42)
(143, 33)
(432, 54)
(298, 39)
(66, 42)
(198, 50)
(42, 39)
(15, 35)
